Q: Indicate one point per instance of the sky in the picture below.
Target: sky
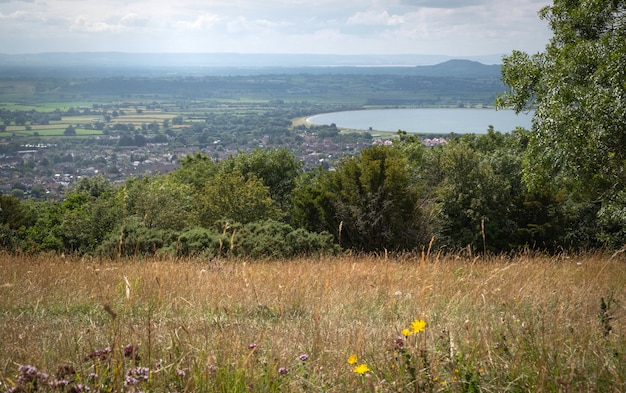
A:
(432, 27)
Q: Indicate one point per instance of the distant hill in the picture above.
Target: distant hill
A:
(461, 69)
(118, 63)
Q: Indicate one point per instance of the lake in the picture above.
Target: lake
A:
(427, 120)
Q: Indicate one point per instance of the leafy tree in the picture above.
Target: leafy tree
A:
(277, 169)
(159, 202)
(15, 218)
(70, 131)
(578, 87)
(369, 203)
(230, 196)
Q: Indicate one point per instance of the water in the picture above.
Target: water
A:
(427, 120)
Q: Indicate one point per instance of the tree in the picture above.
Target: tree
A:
(160, 202)
(369, 203)
(70, 131)
(230, 196)
(578, 88)
(277, 169)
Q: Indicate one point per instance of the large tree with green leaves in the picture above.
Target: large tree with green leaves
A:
(578, 88)
(369, 202)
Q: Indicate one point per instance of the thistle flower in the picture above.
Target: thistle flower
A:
(303, 357)
(283, 371)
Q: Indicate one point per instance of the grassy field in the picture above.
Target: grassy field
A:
(328, 324)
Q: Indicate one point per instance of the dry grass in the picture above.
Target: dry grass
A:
(528, 323)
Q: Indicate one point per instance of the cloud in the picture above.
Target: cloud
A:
(289, 26)
(134, 20)
(201, 22)
(375, 18)
(82, 23)
(23, 16)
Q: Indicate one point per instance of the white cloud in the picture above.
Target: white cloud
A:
(24, 16)
(450, 27)
(375, 18)
(201, 22)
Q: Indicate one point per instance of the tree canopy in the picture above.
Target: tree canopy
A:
(578, 88)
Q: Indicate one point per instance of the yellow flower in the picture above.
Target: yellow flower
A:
(361, 369)
(418, 325)
(406, 332)
(352, 359)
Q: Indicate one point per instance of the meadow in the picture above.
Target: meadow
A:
(409, 323)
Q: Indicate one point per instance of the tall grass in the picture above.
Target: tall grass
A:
(527, 323)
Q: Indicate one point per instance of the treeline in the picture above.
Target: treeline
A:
(469, 194)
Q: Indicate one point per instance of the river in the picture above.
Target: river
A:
(426, 120)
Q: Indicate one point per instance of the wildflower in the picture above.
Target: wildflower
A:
(352, 359)
(139, 373)
(418, 326)
(99, 354)
(59, 384)
(131, 351)
(361, 369)
(30, 375)
(398, 343)
(63, 371)
(406, 332)
(303, 357)
(180, 373)
(283, 371)
(79, 388)
(130, 381)
(212, 369)
(252, 346)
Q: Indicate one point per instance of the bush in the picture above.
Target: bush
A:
(132, 239)
(273, 239)
(198, 241)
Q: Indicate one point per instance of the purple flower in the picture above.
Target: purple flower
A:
(79, 388)
(30, 375)
(283, 371)
(180, 373)
(303, 357)
(131, 351)
(99, 354)
(139, 373)
(130, 381)
(59, 383)
(252, 346)
(398, 343)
